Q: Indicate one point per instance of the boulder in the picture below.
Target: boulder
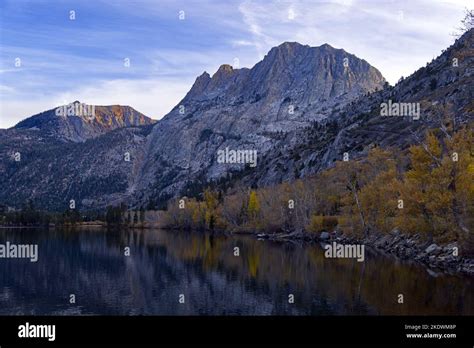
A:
(395, 232)
(449, 249)
(324, 236)
(432, 248)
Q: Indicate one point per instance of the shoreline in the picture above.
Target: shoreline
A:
(432, 256)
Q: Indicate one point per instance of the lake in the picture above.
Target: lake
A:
(163, 265)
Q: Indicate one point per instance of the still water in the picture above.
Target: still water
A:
(91, 264)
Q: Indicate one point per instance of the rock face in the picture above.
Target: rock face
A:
(51, 172)
(443, 88)
(301, 108)
(249, 109)
(53, 159)
(78, 122)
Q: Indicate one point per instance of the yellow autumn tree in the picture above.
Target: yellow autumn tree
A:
(438, 189)
(197, 213)
(253, 208)
(352, 176)
(417, 188)
(367, 193)
(378, 197)
(458, 164)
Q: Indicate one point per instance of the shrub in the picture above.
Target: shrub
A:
(321, 223)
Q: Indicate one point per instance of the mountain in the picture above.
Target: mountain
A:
(51, 172)
(301, 108)
(241, 109)
(72, 154)
(444, 89)
(78, 122)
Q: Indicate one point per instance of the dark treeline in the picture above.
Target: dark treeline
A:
(28, 215)
(121, 215)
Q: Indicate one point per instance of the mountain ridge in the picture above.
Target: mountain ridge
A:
(78, 122)
(246, 108)
(336, 109)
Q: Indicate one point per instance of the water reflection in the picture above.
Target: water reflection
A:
(90, 263)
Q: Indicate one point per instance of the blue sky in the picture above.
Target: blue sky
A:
(63, 60)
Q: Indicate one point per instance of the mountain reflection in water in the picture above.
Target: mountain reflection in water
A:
(90, 263)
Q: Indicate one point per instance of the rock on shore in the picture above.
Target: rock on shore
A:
(444, 258)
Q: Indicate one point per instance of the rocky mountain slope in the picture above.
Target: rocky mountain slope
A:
(53, 159)
(78, 122)
(244, 109)
(444, 88)
(51, 173)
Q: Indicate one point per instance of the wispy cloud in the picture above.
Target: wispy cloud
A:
(154, 98)
(84, 59)
(397, 37)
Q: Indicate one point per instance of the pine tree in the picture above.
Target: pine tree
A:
(211, 202)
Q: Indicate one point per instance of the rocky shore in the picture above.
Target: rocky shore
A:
(437, 258)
